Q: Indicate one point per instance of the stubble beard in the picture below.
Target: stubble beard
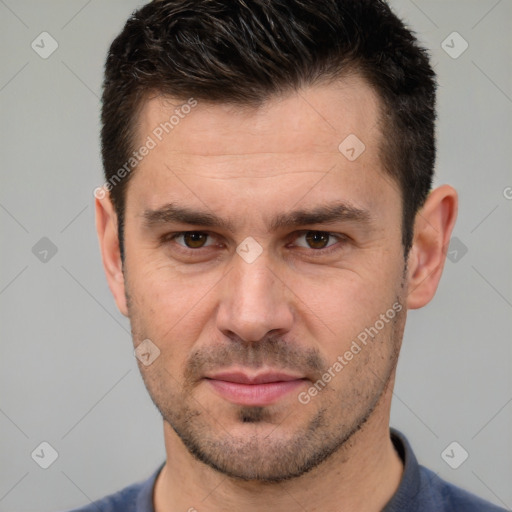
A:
(287, 451)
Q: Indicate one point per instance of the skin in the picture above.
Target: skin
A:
(294, 308)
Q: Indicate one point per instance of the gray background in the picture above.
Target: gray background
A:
(67, 371)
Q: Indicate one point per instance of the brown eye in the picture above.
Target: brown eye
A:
(317, 239)
(194, 239)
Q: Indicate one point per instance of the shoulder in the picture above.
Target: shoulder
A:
(137, 497)
(124, 500)
(422, 490)
(447, 496)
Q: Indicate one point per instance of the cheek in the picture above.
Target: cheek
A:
(344, 303)
(170, 308)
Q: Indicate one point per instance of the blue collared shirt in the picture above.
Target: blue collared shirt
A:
(420, 490)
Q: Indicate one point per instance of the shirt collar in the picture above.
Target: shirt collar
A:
(409, 488)
(403, 499)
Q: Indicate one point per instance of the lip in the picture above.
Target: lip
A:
(256, 390)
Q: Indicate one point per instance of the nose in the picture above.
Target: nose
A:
(254, 301)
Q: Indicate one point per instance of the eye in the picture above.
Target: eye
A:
(191, 239)
(319, 240)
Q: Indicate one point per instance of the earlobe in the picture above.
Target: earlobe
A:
(432, 231)
(106, 227)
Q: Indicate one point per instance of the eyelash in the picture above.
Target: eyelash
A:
(171, 237)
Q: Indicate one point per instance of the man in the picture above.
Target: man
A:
(266, 223)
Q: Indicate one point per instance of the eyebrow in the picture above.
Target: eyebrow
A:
(323, 214)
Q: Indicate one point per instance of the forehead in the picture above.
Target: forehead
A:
(312, 120)
(267, 156)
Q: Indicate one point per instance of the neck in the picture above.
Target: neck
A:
(361, 476)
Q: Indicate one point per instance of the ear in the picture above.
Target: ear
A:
(106, 226)
(432, 231)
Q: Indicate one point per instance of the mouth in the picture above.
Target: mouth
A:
(256, 390)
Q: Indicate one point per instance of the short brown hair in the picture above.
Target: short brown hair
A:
(242, 52)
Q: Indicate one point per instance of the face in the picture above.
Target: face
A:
(267, 267)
